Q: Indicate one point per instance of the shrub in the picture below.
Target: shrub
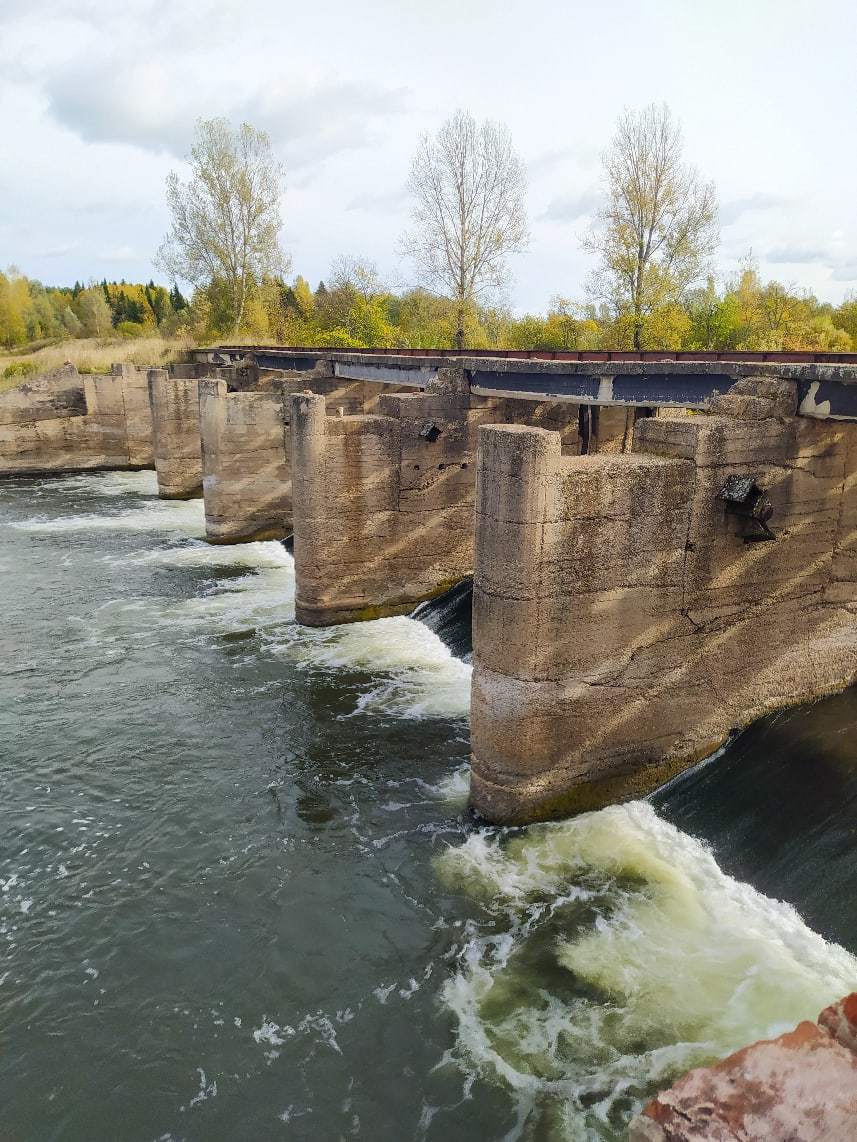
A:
(21, 369)
(131, 329)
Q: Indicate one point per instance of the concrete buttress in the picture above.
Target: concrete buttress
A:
(626, 621)
(175, 423)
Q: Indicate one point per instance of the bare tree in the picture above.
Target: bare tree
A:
(356, 275)
(226, 218)
(468, 186)
(658, 227)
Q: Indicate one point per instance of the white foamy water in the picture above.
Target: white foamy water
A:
(143, 483)
(185, 516)
(424, 678)
(623, 956)
(417, 675)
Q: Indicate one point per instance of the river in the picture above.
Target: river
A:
(240, 897)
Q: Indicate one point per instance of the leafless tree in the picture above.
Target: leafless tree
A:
(658, 228)
(356, 275)
(226, 218)
(468, 186)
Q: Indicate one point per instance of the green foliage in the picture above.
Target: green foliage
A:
(359, 311)
(31, 312)
(20, 369)
(130, 329)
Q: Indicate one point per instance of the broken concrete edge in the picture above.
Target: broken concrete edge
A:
(800, 1085)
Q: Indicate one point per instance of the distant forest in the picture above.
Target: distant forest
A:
(356, 309)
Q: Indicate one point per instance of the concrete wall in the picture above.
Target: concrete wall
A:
(623, 627)
(383, 513)
(246, 447)
(138, 414)
(174, 402)
(246, 464)
(64, 422)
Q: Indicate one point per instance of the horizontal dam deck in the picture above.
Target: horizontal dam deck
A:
(826, 382)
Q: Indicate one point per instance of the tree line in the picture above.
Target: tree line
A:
(355, 309)
(652, 241)
(33, 314)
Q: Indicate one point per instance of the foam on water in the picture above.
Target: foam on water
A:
(254, 556)
(416, 675)
(144, 483)
(186, 516)
(424, 678)
(618, 955)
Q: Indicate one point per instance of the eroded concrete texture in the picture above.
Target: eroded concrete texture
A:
(65, 422)
(246, 445)
(799, 1087)
(174, 401)
(246, 468)
(623, 625)
(384, 504)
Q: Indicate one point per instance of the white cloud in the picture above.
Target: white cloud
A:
(799, 255)
(573, 206)
(100, 100)
(758, 202)
(382, 201)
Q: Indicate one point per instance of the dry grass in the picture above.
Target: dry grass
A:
(91, 356)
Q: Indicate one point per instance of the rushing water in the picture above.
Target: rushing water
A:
(240, 897)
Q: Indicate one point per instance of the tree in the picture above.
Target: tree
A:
(468, 186)
(226, 218)
(658, 227)
(357, 276)
(94, 312)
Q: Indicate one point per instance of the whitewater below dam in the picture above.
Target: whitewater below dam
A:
(240, 896)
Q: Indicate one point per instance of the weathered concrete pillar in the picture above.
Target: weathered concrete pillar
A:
(175, 424)
(625, 621)
(105, 418)
(138, 415)
(246, 464)
(613, 429)
(65, 422)
(345, 492)
(383, 505)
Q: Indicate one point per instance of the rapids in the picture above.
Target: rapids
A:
(240, 895)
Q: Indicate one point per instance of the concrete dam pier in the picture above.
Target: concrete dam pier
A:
(224, 433)
(631, 611)
(643, 585)
(384, 504)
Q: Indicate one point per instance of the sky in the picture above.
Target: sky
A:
(98, 102)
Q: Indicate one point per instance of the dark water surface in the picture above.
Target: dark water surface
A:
(239, 897)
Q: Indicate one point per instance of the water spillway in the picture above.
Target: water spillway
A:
(240, 895)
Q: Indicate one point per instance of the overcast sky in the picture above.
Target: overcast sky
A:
(98, 102)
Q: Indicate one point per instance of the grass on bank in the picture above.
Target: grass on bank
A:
(88, 355)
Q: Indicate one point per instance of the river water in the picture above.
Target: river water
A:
(240, 897)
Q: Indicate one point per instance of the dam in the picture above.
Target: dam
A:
(240, 864)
